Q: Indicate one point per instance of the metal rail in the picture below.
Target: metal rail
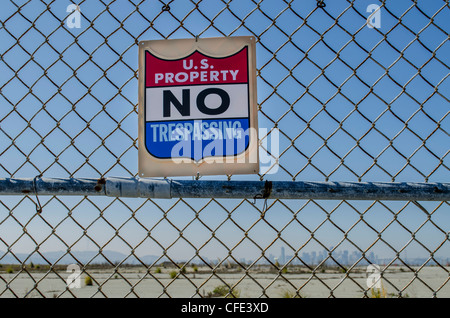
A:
(168, 188)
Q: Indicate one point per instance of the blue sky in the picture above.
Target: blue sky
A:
(336, 80)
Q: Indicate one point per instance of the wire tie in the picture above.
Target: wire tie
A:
(265, 196)
(321, 4)
(38, 204)
(165, 7)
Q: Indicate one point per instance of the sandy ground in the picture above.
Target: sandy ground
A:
(430, 281)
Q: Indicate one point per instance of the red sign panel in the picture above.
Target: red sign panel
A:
(196, 69)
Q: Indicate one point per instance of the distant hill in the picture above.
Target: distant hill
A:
(74, 257)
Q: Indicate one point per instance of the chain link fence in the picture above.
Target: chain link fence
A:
(356, 91)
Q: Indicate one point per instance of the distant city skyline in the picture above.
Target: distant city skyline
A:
(312, 258)
(346, 257)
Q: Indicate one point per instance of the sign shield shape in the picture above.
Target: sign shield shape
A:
(205, 110)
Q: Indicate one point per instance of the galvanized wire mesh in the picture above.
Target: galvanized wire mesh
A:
(350, 102)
